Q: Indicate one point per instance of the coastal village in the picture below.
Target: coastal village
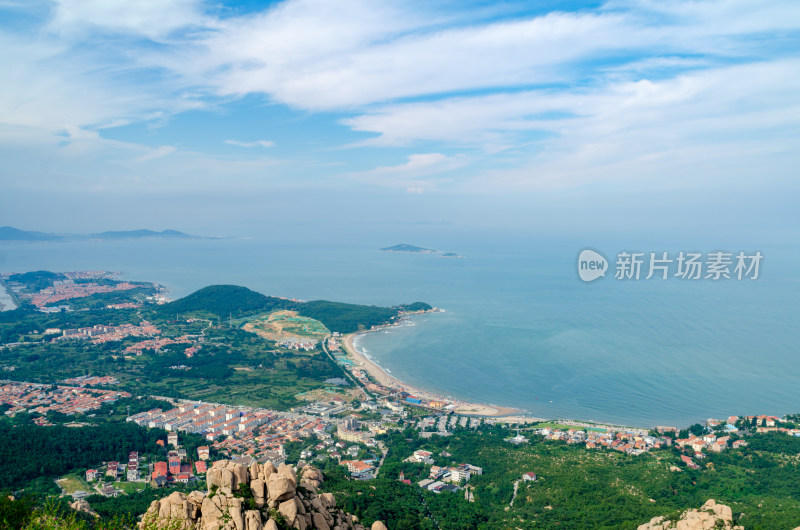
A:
(328, 426)
(249, 435)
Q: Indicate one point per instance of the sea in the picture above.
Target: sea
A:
(519, 327)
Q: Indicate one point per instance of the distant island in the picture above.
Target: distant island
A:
(412, 249)
(9, 233)
(409, 248)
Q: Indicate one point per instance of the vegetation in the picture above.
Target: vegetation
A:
(28, 452)
(36, 280)
(347, 318)
(576, 487)
(223, 301)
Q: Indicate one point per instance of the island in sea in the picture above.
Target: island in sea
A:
(412, 249)
(114, 397)
(402, 247)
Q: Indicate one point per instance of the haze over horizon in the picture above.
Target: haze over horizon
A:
(225, 119)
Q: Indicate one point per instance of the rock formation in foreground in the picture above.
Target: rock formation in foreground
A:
(710, 516)
(254, 498)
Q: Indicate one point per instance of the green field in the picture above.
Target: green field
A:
(72, 483)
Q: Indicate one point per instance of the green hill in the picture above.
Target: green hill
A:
(225, 300)
(233, 300)
(346, 318)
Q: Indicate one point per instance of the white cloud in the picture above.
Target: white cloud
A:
(315, 55)
(257, 143)
(153, 19)
(164, 150)
(420, 171)
(746, 113)
(563, 98)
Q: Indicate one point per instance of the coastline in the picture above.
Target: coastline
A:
(383, 378)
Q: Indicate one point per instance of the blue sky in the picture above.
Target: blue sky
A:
(455, 112)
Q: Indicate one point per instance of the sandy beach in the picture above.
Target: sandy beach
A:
(385, 379)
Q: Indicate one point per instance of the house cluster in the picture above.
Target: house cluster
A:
(34, 397)
(349, 430)
(111, 472)
(456, 475)
(411, 399)
(442, 478)
(360, 469)
(176, 470)
(67, 290)
(244, 431)
(91, 380)
(211, 420)
(125, 305)
(268, 441)
(117, 470)
(158, 343)
(443, 425)
(634, 442)
(296, 343)
(709, 442)
(100, 334)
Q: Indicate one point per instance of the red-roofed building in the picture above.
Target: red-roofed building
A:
(174, 465)
(689, 462)
(200, 467)
(160, 469)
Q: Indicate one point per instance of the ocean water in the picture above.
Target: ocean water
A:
(519, 328)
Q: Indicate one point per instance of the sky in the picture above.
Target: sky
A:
(360, 115)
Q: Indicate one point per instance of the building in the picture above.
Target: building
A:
(112, 468)
(174, 465)
(172, 439)
(203, 452)
(91, 474)
(529, 476)
(160, 469)
(457, 474)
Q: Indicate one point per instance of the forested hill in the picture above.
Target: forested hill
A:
(223, 301)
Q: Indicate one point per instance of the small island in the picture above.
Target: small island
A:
(409, 248)
(451, 255)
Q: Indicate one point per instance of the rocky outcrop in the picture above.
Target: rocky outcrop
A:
(83, 506)
(254, 498)
(709, 517)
